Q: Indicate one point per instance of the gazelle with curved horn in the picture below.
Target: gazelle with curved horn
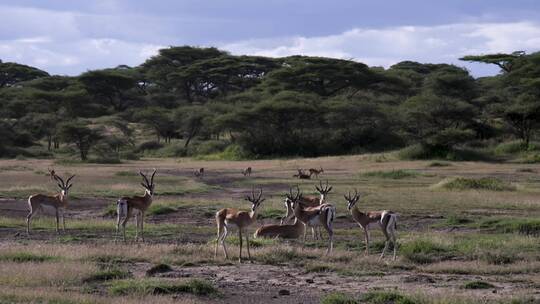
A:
(135, 205)
(322, 215)
(386, 220)
(59, 202)
(308, 201)
(242, 219)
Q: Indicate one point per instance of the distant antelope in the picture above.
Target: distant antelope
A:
(59, 202)
(308, 201)
(385, 220)
(51, 173)
(135, 205)
(199, 172)
(242, 219)
(322, 215)
(316, 172)
(302, 175)
(293, 231)
(247, 171)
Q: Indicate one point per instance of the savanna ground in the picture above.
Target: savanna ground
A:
(469, 240)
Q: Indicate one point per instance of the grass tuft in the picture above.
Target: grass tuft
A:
(381, 297)
(394, 174)
(338, 298)
(422, 251)
(484, 183)
(24, 257)
(108, 274)
(159, 268)
(478, 285)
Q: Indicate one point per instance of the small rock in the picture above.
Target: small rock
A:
(329, 282)
(284, 292)
(310, 281)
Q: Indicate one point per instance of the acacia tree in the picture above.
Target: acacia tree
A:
(116, 86)
(84, 138)
(160, 120)
(191, 121)
(502, 60)
(12, 73)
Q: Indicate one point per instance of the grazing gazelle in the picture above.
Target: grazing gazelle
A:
(293, 231)
(51, 173)
(302, 175)
(308, 201)
(247, 171)
(385, 220)
(127, 206)
(242, 219)
(199, 172)
(59, 202)
(316, 172)
(322, 215)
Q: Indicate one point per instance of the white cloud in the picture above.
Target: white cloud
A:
(386, 46)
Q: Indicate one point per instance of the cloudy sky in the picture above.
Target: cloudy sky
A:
(72, 36)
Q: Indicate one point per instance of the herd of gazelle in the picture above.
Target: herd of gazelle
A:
(307, 211)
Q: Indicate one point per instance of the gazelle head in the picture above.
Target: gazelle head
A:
(351, 200)
(323, 190)
(148, 185)
(255, 200)
(292, 198)
(64, 187)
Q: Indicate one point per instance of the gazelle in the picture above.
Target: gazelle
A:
(302, 175)
(51, 173)
(127, 206)
(293, 231)
(322, 215)
(242, 219)
(199, 172)
(59, 202)
(386, 220)
(247, 171)
(308, 201)
(316, 172)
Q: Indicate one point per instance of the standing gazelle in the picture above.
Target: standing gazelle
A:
(385, 220)
(59, 202)
(126, 206)
(241, 219)
(322, 215)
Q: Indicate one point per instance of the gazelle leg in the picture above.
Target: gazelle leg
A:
(247, 245)
(123, 223)
(63, 221)
(366, 236)
(226, 231)
(314, 233)
(384, 249)
(28, 219)
(136, 226)
(304, 239)
(330, 239)
(240, 238)
(218, 239)
(57, 221)
(142, 226)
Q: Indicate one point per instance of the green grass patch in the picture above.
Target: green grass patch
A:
(126, 173)
(393, 174)
(439, 164)
(107, 274)
(159, 268)
(24, 257)
(424, 251)
(156, 287)
(114, 259)
(271, 213)
(526, 226)
(338, 298)
(160, 209)
(382, 297)
(484, 183)
(478, 285)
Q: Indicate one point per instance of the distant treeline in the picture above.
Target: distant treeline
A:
(198, 101)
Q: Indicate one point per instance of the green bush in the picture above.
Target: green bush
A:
(512, 147)
(108, 274)
(159, 268)
(209, 147)
(232, 152)
(526, 226)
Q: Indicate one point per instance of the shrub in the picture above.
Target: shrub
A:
(149, 145)
(129, 155)
(439, 164)
(484, 183)
(512, 147)
(160, 209)
(232, 152)
(209, 147)
(512, 225)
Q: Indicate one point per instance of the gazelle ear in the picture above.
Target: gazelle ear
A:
(330, 189)
(144, 186)
(60, 186)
